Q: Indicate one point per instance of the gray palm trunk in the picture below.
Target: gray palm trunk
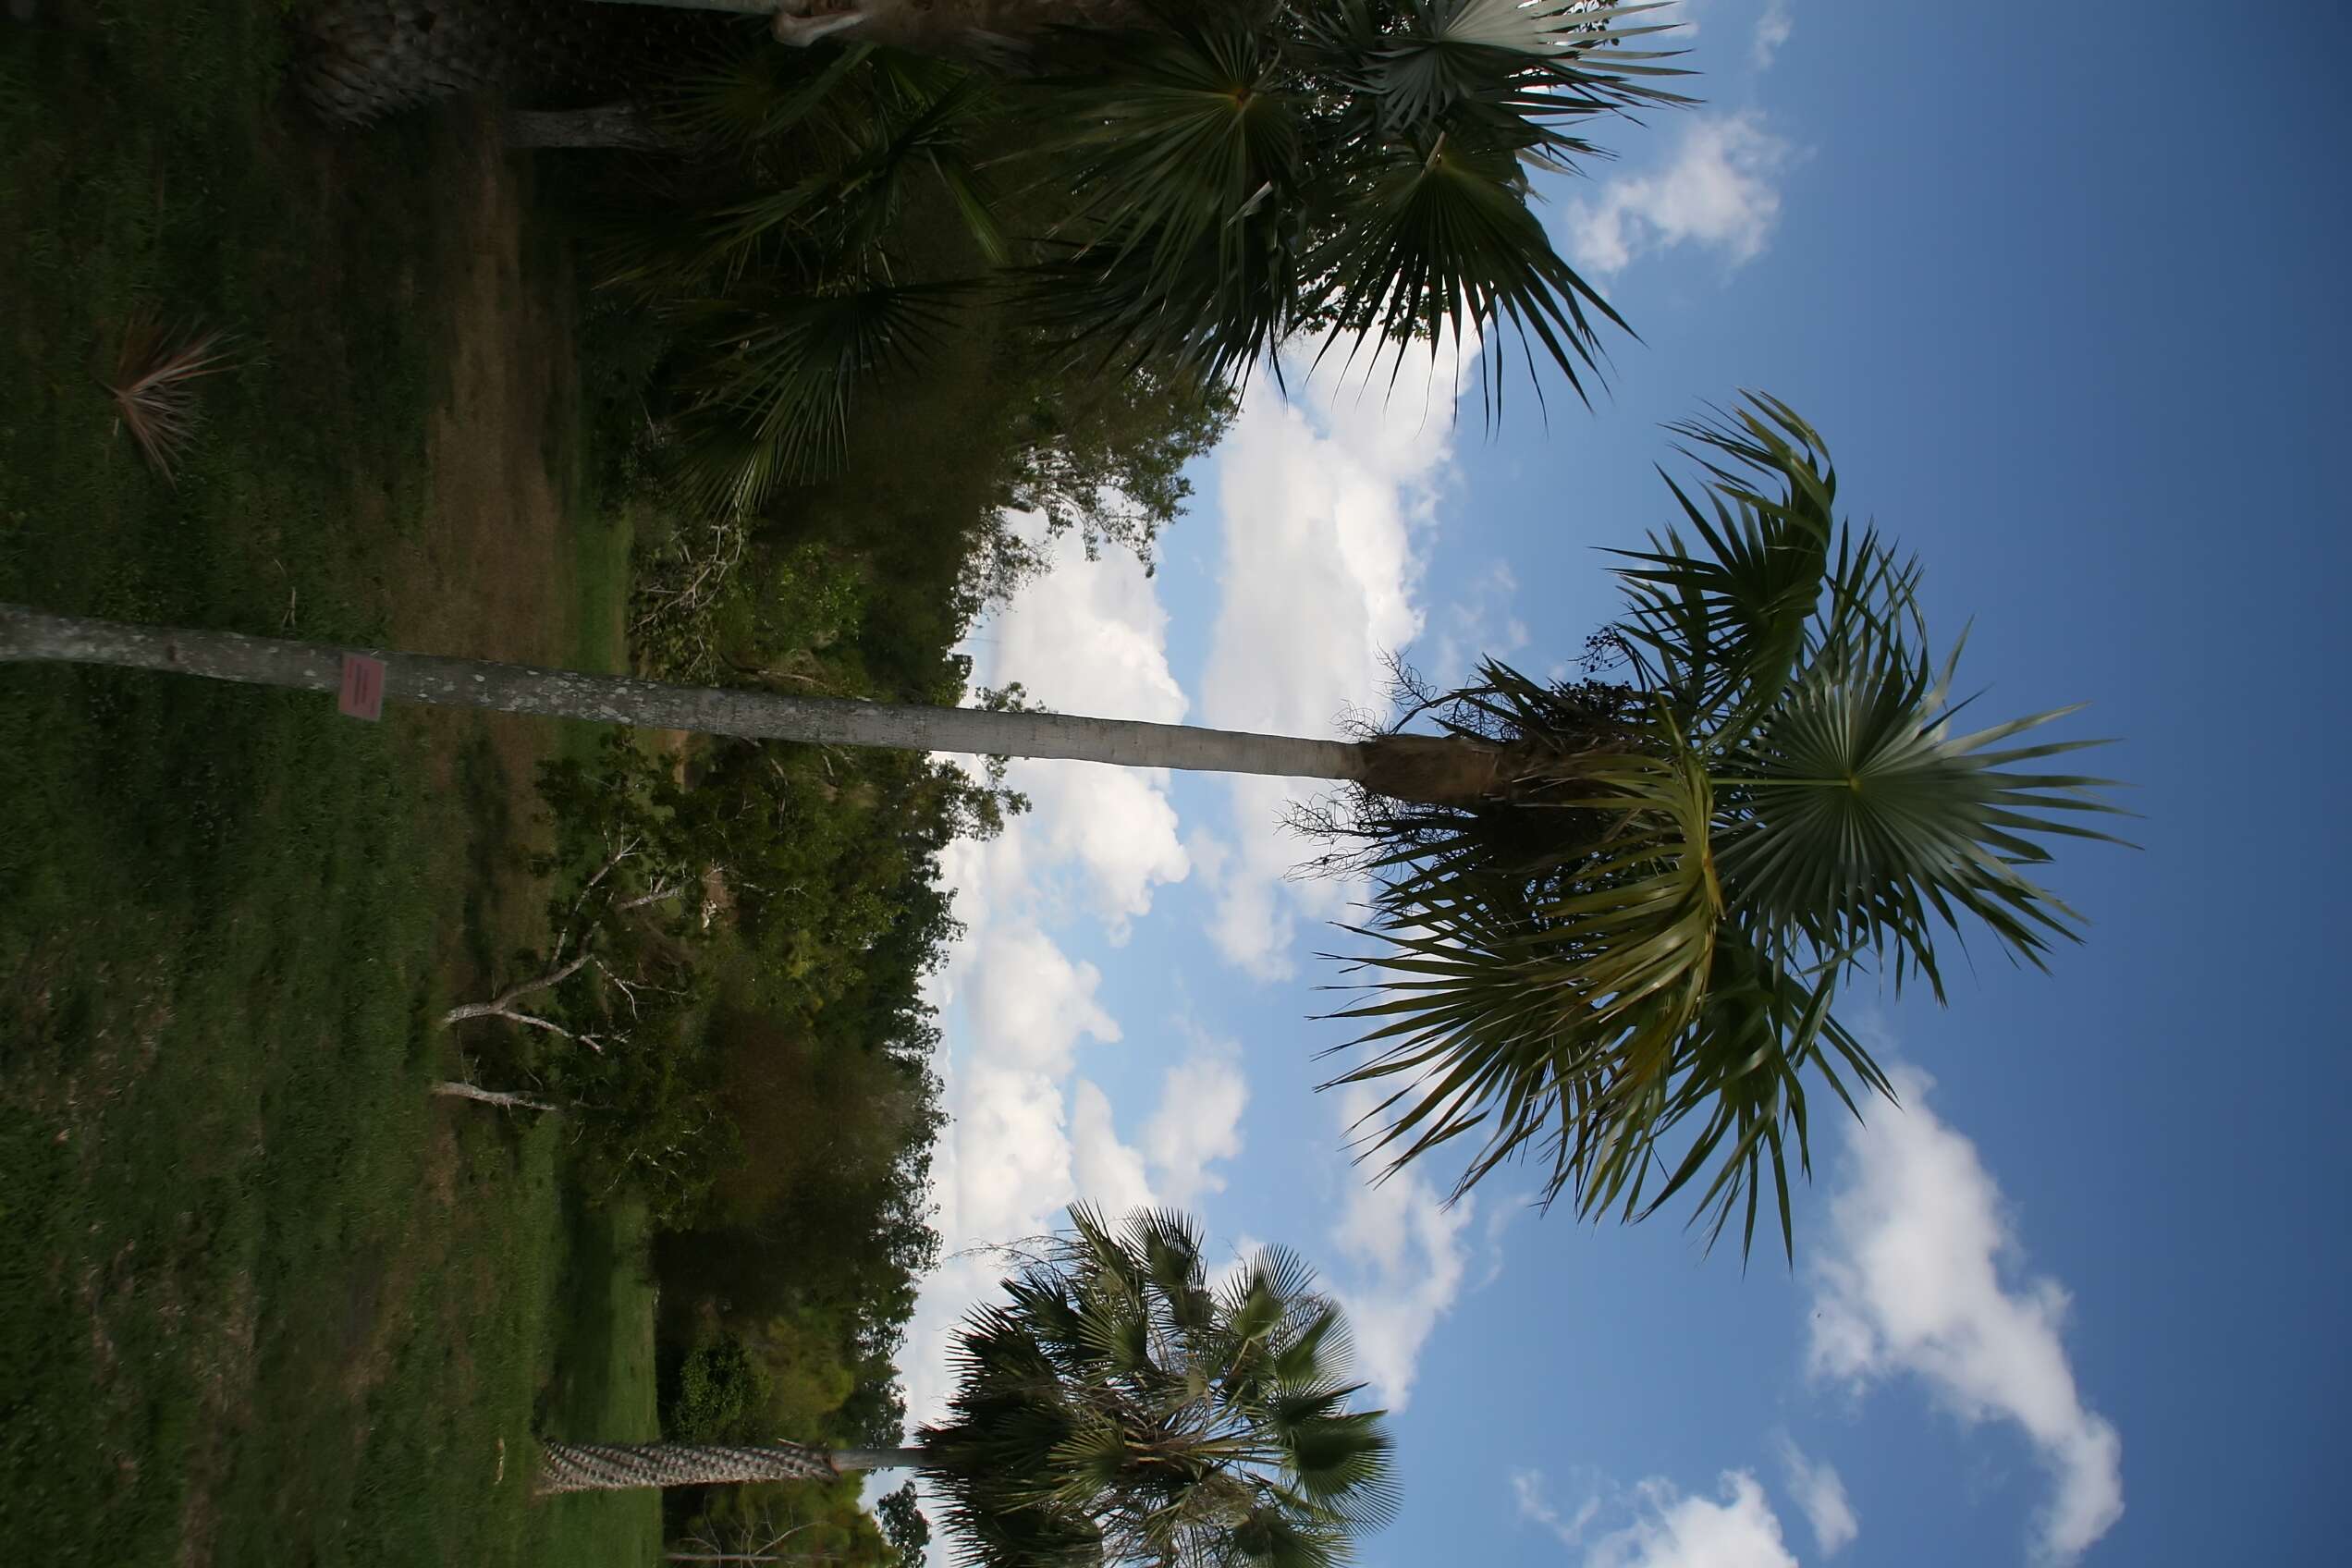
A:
(589, 1468)
(1411, 768)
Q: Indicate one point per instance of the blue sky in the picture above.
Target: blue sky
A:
(2063, 287)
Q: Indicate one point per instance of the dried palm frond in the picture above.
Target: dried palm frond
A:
(153, 386)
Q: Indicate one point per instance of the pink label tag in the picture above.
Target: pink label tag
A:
(362, 694)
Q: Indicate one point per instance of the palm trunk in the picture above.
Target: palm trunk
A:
(1413, 767)
(605, 125)
(587, 1468)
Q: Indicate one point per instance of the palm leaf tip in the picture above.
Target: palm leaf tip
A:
(1623, 961)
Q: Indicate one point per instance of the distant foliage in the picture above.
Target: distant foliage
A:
(723, 1394)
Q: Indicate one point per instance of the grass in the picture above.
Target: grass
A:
(264, 1300)
(604, 1386)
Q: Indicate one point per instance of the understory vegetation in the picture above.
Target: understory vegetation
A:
(269, 1298)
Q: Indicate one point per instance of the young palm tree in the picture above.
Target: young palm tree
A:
(1117, 1407)
(1613, 918)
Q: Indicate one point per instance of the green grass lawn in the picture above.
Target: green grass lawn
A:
(262, 1299)
(603, 1386)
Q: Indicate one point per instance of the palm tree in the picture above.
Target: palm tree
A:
(1224, 175)
(1117, 1407)
(1611, 918)
(1357, 169)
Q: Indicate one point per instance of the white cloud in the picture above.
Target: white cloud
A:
(1197, 1123)
(1026, 1136)
(1671, 1530)
(1913, 1282)
(1718, 190)
(1320, 500)
(1532, 1495)
(1032, 1003)
(1772, 30)
(1478, 623)
(1499, 1220)
(1821, 1496)
(1086, 638)
(1404, 1252)
(1109, 1173)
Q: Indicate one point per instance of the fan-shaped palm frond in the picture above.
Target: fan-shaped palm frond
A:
(1183, 243)
(772, 403)
(1119, 1407)
(1555, 59)
(1627, 957)
(1345, 167)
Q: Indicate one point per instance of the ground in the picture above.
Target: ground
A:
(265, 1300)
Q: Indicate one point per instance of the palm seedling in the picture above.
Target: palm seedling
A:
(155, 381)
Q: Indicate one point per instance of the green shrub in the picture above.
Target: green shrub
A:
(723, 1393)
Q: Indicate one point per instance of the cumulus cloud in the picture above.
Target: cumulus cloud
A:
(1320, 500)
(1026, 1136)
(1084, 638)
(1820, 1497)
(1772, 30)
(1720, 189)
(1032, 1003)
(1199, 1123)
(1914, 1281)
(1403, 1253)
(1671, 1530)
(1531, 1493)
(1105, 1171)
(1006, 1153)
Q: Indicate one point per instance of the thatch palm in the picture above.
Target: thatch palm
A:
(1613, 918)
(1240, 174)
(1210, 179)
(1627, 957)
(1117, 1407)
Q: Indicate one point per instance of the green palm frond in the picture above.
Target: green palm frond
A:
(1183, 168)
(748, 98)
(846, 206)
(772, 403)
(1551, 60)
(1348, 169)
(1441, 242)
(1871, 824)
(1624, 959)
(1118, 1408)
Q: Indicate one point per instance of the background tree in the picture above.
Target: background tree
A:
(1597, 915)
(1116, 1407)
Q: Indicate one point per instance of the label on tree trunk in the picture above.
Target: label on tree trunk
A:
(362, 694)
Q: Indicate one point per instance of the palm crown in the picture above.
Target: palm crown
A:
(1119, 1406)
(1357, 166)
(1627, 958)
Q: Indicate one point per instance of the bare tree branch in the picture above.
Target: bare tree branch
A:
(451, 1089)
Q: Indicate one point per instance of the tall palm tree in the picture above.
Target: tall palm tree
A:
(1611, 918)
(1118, 1406)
